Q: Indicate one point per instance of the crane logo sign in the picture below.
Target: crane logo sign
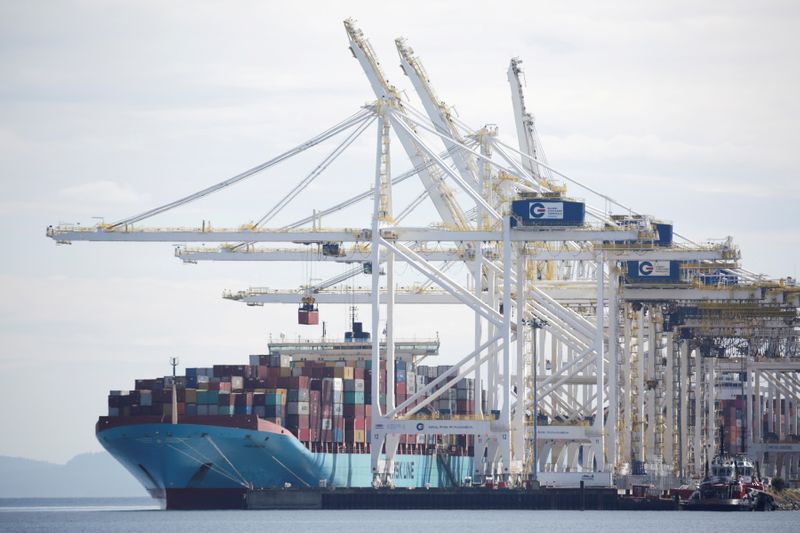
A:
(654, 268)
(548, 210)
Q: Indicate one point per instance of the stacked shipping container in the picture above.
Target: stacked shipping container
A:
(324, 404)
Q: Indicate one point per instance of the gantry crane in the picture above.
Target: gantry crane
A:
(614, 349)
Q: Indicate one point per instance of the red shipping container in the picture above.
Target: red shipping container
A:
(303, 434)
(307, 318)
(293, 382)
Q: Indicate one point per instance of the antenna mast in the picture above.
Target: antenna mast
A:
(174, 362)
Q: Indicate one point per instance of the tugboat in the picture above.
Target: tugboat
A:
(732, 485)
(725, 489)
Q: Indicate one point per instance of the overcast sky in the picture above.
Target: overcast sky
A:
(685, 110)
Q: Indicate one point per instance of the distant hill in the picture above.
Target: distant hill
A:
(88, 475)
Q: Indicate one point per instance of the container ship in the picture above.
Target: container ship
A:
(296, 417)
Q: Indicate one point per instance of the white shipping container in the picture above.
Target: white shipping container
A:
(237, 382)
(338, 409)
(326, 424)
(573, 479)
(202, 379)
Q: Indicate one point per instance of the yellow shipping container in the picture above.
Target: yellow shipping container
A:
(191, 396)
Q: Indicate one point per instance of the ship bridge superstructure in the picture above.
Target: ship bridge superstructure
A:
(598, 333)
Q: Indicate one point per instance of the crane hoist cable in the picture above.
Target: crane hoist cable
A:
(330, 158)
(330, 132)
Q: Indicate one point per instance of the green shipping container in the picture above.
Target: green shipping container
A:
(273, 398)
(353, 397)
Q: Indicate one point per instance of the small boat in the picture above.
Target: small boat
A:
(731, 485)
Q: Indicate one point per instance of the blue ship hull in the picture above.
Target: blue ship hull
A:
(214, 466)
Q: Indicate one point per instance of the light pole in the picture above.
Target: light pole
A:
(536, 324)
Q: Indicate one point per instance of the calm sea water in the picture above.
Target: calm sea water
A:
(139, 515)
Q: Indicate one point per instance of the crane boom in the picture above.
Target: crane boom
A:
(525, 126)
(430, 175)
(437, 111)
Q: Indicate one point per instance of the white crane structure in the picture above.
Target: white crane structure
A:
(585, 369)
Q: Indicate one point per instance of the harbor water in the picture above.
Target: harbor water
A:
(123, 516)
